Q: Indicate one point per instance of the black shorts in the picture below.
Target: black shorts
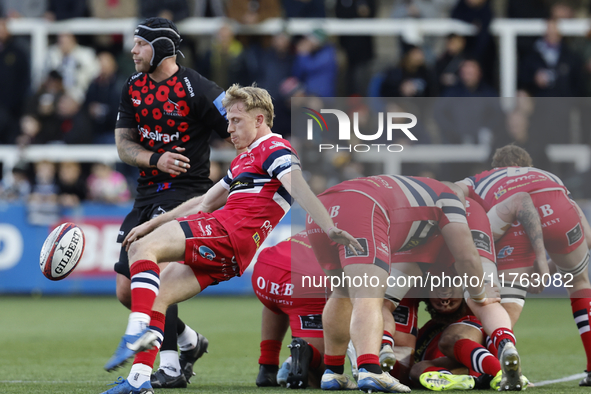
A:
(137, 216)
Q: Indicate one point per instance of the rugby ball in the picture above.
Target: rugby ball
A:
(61, 251)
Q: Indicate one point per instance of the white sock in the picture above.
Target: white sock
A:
(137, 323)
(169, 362)
(139, 374)
(187, 340)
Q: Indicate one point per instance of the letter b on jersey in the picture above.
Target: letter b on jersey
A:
(546, 210)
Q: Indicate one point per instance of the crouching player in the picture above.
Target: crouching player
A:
(564, 230)
(277, 267)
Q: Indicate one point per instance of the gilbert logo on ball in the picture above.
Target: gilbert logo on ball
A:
(61, 251)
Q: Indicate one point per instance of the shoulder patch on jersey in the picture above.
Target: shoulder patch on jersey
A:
(218, 104)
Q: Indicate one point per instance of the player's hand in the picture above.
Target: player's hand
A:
(174, 163)
(136, 233)
(344, 238)
(536, 283)
(491, 295)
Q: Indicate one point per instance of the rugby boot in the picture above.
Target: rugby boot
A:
(438, 381)
(335, 381)
(301, 355)
(384, 383)
(188, 357)
(586, 381)
(267, 376)
(122, 386)
(161, 380)
(284, 372)
(495, 383)
(352, 355)
(511, 369)
(387, 358)
(129, 346)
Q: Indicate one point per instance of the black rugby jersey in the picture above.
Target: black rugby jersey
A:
(180, 111)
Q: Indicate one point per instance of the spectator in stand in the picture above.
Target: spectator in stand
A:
(42, 205)
(107, 185)
(71, 184)
(220, 63)
(526, 9)
(465, 120)
(447, 68)
(102, 97)
(14, 83)
(411, 79)
(481, 46)
(18, 188)
(251, 12)
(358, 49)
(108, 9)
(551, 69)
(77, 64)
(207, 8)
(73, 126)
(414, 9)
(58, 10)
(304, 8)
(174, 10)
(41, 112)
(316, 64)
(275, 64)
(24, 8)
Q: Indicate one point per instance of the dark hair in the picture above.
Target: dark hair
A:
(511, 156)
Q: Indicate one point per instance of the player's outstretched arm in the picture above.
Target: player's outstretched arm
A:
(300, 191)
(131, 152)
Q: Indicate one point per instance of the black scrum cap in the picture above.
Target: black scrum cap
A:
(163, 36)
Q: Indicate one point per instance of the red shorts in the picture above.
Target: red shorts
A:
(514, 249)
(561, 224)
(208, 250)
(406, 316)
(363, 219)
(272, 285)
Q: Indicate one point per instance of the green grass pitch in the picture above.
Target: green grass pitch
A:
(59, 345)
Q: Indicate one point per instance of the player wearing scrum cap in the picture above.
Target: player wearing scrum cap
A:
(166, 115)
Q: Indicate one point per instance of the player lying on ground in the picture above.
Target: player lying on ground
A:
(216, 245)
(449, 353)
(565, 230)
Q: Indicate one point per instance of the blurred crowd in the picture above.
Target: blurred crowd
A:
(77, 100)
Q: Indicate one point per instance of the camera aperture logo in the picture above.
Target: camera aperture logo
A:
(344, 132)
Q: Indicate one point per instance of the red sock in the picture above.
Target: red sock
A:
(388, 339)
(145, 283)
(157, 325)
(500, 337)
(270, 350)
(476, 357)
(369, 362)
(437, 369)
(581, 305)
(335, 363)
(316, 357)
(491, 346)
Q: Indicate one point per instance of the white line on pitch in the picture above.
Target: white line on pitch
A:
(565, 379)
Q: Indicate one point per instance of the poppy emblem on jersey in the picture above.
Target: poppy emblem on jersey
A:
(206, 253)
(505, 252)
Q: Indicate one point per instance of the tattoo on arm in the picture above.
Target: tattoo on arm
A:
(128, 146)
(529, 218)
